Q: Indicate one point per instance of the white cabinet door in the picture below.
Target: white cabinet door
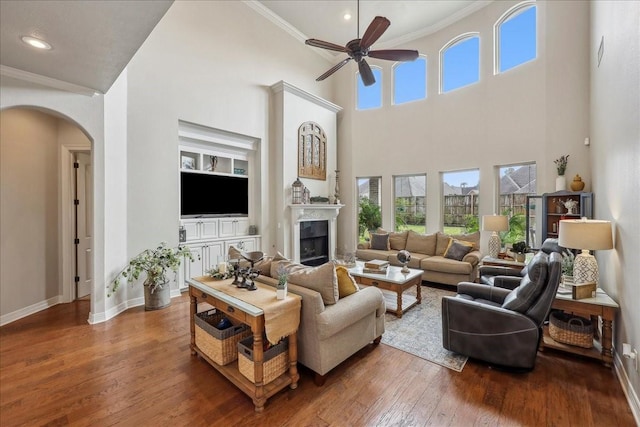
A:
(227, 228)
(192, 229)
(242, 227)
(213, 256)
(194, 269)
(244, 245)
(209, 229)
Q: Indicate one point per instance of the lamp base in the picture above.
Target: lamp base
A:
(585, 268)
(494, 245)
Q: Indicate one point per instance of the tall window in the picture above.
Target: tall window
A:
(410, 194)
(460, 62)
(516, 182)
(460, 205)
(369, 206)
(410, 81)
(515, 37)
(370, 96)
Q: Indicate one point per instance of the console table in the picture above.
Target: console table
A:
(253, 316)
(599, 307)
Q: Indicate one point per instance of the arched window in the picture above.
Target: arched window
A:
(410, 80)
(515, 37)
(370, 96)
(460, 62)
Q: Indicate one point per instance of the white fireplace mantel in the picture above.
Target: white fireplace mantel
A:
(313, 212)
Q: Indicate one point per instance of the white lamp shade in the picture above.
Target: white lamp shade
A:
(585, 233)
(495, 223)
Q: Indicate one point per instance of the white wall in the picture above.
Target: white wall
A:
(209, 63)
(615, 156)
(535, 112)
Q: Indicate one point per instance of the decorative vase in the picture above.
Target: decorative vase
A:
(561, 183)
(281, 293)
(157, 297)
(577, 184)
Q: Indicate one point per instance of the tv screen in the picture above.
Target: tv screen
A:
(213, 195)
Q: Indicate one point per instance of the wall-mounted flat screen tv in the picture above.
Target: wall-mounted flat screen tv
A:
(206, 195)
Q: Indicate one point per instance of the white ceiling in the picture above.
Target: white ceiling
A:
(94, 40)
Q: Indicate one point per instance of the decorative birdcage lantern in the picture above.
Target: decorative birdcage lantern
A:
(297, 189)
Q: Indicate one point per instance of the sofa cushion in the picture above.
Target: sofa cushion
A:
(441, 264)
(346, 283)
(369, 254)
(457, 249)
(414, 262)
(398, 241)
(380, 242)
(442, 243)
(421, 243)
(522, 297)
(322, 278)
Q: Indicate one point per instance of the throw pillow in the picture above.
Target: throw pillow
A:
(471, 237)
(421, 243)
(380, 241)
(458, 249)
(321, 279)
(346, 283)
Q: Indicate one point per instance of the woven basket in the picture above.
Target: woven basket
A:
(275, 360)
(220, 345)
(569, 329)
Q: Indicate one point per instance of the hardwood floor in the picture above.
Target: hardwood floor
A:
(136, 370)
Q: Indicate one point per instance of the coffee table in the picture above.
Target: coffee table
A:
(393, 280)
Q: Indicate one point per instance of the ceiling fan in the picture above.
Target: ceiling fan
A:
(358, 49)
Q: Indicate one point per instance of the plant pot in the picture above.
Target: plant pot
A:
(561, 183)
(520, 257)
(281, 293)
(157, 297)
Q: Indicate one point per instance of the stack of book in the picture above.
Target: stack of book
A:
(375, 266)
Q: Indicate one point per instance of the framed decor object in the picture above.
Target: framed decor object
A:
(312, 151)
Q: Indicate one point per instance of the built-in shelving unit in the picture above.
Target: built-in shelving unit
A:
(553, 210)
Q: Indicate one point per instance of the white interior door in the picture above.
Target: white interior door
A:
(84, 225)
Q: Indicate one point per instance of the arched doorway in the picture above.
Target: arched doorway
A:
(38, 221)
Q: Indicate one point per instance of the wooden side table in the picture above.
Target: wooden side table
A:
(254, 317)
(499, 262)
(599, 307)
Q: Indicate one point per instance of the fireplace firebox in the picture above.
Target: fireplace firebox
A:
(314, 242)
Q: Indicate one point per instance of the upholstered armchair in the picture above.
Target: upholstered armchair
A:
(500, 326)
(508, 278)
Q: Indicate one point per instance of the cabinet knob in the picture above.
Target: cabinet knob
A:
(230, 309)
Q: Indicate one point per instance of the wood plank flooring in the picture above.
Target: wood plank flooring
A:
(136, 370)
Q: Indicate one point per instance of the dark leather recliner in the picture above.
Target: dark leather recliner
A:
(502, 326)
(509, 278)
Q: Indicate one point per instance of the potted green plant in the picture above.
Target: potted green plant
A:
(155, 264)
(519, 249)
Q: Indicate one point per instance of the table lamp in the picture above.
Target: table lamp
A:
(585, 234)
(495, 223)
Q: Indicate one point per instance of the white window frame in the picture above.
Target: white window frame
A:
(451, 43)
(511, 13)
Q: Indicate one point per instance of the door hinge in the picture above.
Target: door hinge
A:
(76, 165)
(76, 241)
(76, 279)
(76, 202)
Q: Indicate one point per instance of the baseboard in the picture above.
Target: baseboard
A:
(632, 396)
(32, 309)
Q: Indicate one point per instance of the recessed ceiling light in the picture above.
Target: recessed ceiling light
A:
(347, 16)
(37, 43)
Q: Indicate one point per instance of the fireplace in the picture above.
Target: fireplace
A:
(313, 232)
(314, 242)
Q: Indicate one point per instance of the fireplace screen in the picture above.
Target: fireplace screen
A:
(314, 242)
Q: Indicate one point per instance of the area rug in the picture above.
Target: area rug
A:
(419, 331)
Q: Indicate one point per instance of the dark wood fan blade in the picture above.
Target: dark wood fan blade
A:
(365, 73)
(377, 27)
(326, 45)
(394, 54)
(333, 69)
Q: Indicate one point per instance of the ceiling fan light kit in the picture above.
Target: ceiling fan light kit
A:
(358, 50)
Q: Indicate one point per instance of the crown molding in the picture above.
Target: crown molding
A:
(283, 86)
(46, 81)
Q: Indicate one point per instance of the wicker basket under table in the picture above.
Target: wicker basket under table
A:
(220, 345)
(570, 329)
(275, 360)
